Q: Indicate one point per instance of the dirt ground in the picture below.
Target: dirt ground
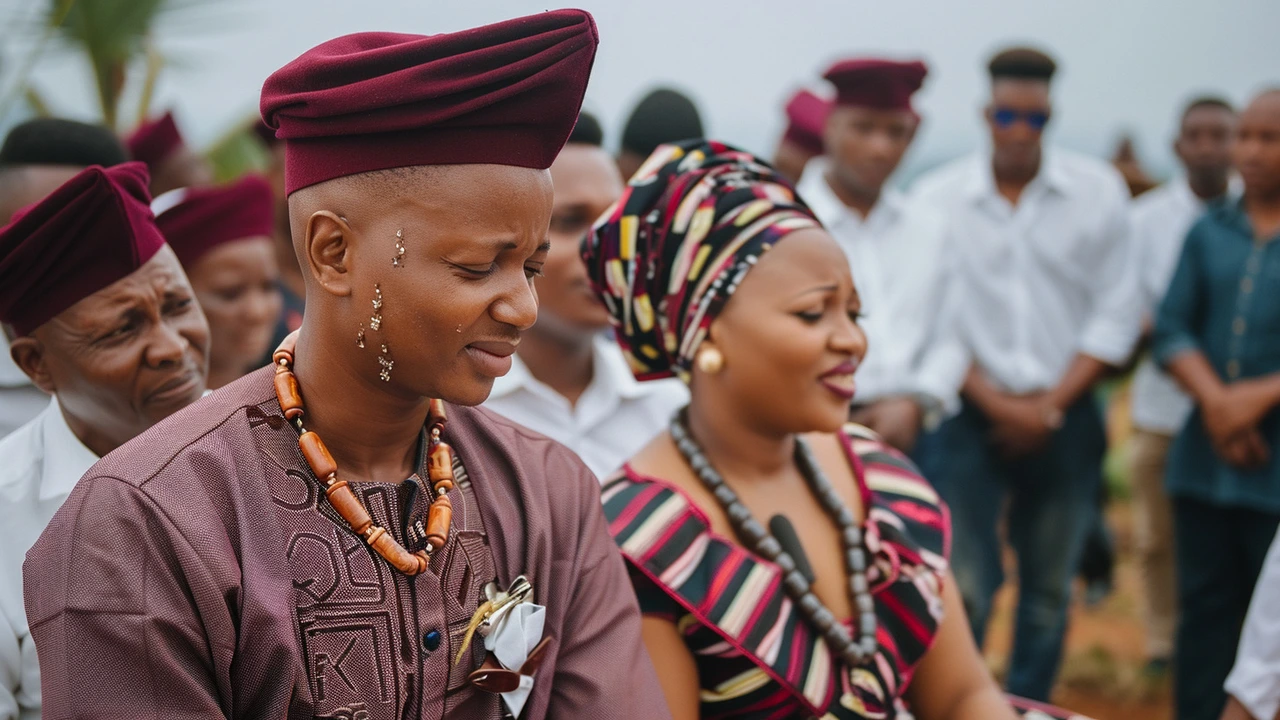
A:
(1102, 675)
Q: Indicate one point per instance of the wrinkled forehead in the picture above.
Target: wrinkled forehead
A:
(159, 279)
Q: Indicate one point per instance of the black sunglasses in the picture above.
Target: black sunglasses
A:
(1006, 117)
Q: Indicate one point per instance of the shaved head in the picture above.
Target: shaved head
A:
(1256, 150)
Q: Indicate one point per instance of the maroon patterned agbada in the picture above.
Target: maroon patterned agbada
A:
(198, 572)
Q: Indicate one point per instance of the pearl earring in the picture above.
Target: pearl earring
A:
(710, 360)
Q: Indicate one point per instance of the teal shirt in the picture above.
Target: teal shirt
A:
(1224, 300)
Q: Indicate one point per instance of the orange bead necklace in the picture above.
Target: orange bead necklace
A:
(340, 494)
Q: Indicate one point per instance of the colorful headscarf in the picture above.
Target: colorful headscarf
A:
(690, 224)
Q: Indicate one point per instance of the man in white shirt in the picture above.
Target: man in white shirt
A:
(115, 337)
(37, 157)
(568, 380)
(1045, 299)
(895, 248)
(1160, 221)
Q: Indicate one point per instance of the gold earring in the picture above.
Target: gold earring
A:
(710, 360)
(398, 260)
(360, 336)
(375, 321)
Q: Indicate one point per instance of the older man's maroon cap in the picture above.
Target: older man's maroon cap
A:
(155, 140)
(506, 94)
(197, 220)
(94, 230)
(806, 120)
(876, 83)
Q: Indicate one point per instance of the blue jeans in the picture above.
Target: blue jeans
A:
(1220, 552)
(1048, 499)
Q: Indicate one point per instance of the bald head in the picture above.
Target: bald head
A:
(1256, 150)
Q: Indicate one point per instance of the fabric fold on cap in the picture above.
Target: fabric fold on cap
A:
(155, 140)
(507, 94)
(94, 230)
(876, 83)
(198, 220)
(806, 120)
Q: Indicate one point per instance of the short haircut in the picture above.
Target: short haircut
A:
(1206, 101)
(663, 116)
(54, 141)
(1022, 63)
(587, 131)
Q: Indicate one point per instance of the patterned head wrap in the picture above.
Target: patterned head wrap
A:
(665, 260)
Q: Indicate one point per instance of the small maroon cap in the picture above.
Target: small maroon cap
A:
(197, 220)
(155, 140)
(94, 230)
(875, 83)
(806, 120)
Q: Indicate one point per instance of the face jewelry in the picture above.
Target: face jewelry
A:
(375, 321)
(360, 336)
(387, 364)
(459, 329)
(710, 360)
(398, 260)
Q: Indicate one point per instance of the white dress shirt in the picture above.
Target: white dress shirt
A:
(1046, 279)
(898, 257)
(20, 401)
(616, 416)
(1255, 678)
(43, 460)
(1161, 219)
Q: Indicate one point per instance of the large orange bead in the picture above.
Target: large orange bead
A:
(288, 395)
(440, 467)
(438, 519)
(349, 506)
(317, 455)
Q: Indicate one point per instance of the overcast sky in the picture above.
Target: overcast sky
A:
(1125, 64)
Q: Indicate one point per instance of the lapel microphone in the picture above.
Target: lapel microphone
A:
(781, 529)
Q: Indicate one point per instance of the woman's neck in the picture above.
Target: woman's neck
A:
(735, 448)
(563, 363)
(372, 434)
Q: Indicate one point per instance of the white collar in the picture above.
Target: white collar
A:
(610, 374)
(981, 183)
(824, 203)
(66, 459)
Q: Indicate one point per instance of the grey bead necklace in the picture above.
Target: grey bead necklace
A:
(838, 638)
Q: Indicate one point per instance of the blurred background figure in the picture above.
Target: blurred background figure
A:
(802, 140)
(116, 338)
(1161, 219)
(895, 247)
(38, 156)
(172, 164)
(290, 285)
(662, 116)
(1216, 332)
(569, 379)
(223, 236)
(1125, 159)
(1047, 301)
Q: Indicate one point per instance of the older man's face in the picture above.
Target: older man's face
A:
(125, 357)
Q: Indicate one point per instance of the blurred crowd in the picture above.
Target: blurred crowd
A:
(998, 294)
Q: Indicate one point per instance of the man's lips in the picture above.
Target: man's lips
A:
(492, 356)
(181, 385)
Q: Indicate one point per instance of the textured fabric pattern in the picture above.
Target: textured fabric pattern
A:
(188, 575)
(690, 224)
(757, 657)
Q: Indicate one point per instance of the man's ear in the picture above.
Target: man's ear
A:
(28, 354)
(328, 252)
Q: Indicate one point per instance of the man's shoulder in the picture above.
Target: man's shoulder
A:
(162, 448)
(1088, 175)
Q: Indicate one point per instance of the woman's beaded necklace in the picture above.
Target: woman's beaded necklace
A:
(345, 501)
(839, 639)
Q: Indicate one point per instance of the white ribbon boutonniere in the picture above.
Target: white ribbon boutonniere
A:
(512, 627)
